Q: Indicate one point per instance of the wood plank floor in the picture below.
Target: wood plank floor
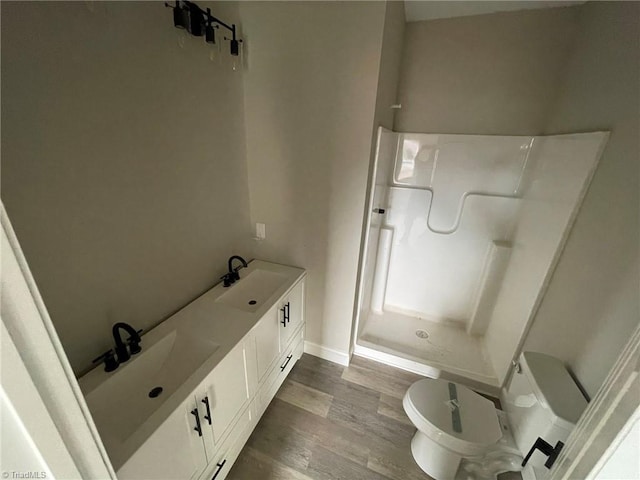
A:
(329, 422)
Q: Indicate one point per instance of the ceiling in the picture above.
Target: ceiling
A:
(416, 11)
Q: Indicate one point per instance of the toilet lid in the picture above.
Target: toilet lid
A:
(455, 410)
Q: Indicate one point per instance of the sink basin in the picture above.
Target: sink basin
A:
(250, 292)
(123, 402)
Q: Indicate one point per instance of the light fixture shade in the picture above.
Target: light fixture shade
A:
(210, 34)
(235, 47)
(180, 17)
(196, 23)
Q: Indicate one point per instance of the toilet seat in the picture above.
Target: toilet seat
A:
(429, 405)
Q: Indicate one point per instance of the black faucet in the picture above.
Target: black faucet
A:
(122, 352)
(232, 275)
(112, 359)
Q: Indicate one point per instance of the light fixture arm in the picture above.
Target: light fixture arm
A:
(211, 18)
(207, 18)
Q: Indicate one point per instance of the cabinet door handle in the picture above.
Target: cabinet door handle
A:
(286, 363)
(288, 306)
(219, 465)
(284, 316)
(207, 417)
(197, 428)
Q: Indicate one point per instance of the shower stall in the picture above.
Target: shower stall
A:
(463, 232)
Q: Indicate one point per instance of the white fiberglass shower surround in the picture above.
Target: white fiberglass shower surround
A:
(463, 233)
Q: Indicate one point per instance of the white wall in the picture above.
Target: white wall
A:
(591, 306)
(310, 97)
(390, 62)
(123, 166)
(551, 71)
(490, 74)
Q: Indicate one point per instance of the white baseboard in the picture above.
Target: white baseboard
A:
(326, 353)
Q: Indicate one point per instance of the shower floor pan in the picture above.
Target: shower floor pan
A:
(433, 349)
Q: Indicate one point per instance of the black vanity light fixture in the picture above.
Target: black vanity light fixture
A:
(198, 22)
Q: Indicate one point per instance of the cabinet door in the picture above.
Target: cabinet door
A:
(224, 395)
(174, 451)
(268, 389)
(267, 342)
(291, 313)
(228, 451)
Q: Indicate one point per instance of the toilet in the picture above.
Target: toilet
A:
(462, 436)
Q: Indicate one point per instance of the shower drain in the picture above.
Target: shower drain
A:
(422, 334)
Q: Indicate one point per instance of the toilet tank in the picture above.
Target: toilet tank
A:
(542, 400)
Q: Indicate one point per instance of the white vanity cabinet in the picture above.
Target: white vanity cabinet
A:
(289, 334)
(202, 438)
(267, 342)
(175, 451)
(291, 312)
(222, 458)
(291, 353)
(222, 397)
(197, 439)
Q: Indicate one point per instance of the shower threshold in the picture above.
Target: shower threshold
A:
(433, 349)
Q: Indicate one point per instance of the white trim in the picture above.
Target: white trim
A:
(589, 446)
(25, 317)
(425, 370)
(364, 247)
(326, 353)
(629, 470)
(395, 361)
(40, 447)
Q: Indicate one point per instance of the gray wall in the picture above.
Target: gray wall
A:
(390, 63)
(551, 71)
(488, 74)
(592, 304)
(310, 96)
(123, 165)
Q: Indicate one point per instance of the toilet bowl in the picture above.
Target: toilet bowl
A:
(461, 435)
(455, 423)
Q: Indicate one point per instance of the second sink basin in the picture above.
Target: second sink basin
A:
(249, 293)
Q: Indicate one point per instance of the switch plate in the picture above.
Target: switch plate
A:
(261, 232)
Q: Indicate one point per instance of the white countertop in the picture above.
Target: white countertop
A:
(212, 320)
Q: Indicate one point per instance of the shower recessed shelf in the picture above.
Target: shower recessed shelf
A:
(458, 208)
